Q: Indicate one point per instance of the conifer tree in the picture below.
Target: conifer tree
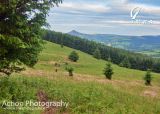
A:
(20, 32)
(70, 70)
(108, 71)
(148, 77)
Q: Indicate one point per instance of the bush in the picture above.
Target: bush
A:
(108, 71)
(70, 70)
(74, 56)
(148, 77)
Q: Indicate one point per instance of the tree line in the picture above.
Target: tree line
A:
(117, 56)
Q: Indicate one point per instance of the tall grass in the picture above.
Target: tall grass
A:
(83, 97)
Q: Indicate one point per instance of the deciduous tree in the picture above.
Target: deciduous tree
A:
(74, 56)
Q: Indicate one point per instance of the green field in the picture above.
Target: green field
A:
(152, 53)
(88, 92)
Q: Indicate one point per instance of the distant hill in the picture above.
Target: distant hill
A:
(132, 43)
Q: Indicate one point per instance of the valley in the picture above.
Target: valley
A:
(149, 45)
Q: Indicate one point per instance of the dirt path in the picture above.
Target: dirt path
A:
(42, 97)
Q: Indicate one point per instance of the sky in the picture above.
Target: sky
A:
(107, 17)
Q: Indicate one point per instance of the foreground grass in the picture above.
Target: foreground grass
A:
(83, 97)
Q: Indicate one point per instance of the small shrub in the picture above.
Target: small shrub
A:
(148, 77)
(74, 56)
(57, 66)
(108, 71)
(70, 70)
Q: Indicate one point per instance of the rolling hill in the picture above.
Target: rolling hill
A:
(54, 52)
(87, 91)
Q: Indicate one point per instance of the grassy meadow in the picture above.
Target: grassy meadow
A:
(152, 53)
(88, 92)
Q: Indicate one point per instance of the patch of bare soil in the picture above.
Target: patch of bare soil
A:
(52, 62)
(150, 93)
(79, 77)
(42, 97)
(1, 74)
(32, 72)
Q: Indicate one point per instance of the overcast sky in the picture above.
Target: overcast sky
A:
(106, 16)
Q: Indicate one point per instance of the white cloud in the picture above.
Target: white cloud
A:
(150, 9)
(153, 10)
(99, 8)
(86, 25)
(128, 23)
(112, 16)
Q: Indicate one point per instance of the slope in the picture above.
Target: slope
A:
(87, 91)
(86, 65)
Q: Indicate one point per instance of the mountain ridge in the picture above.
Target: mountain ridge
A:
(75, 31)
(132, 43)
